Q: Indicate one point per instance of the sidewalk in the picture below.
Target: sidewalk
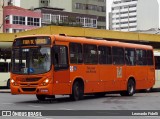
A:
(5, 90)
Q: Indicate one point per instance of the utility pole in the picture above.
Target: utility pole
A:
(2, 14)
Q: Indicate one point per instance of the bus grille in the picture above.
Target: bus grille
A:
(30, 79)
(26, 84)
(29, 89)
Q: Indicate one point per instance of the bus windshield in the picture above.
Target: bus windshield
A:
(31, 60)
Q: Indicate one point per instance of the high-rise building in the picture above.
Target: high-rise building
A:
(90, 7)
(135, 15)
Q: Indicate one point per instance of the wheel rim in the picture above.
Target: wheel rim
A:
(131, 87)
(76, 92)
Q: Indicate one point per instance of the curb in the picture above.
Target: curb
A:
(5, 91)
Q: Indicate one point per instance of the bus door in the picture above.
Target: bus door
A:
(151, 68)
(61, 76)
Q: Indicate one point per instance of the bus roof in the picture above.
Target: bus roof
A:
(101, 42)
(91, 41)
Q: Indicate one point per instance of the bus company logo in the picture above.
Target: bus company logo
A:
(119, 72)
(6, 113)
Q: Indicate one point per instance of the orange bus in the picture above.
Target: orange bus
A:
(49, 65)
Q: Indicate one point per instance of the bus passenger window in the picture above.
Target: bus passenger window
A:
(75, 50)
(90, 54)
(130, 56)
(104, 54)
(60, 57)
(157, 62)
(141, 57)
(4, 67)
(149, 57)
(118, 56)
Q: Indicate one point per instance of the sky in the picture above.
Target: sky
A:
(109, 3)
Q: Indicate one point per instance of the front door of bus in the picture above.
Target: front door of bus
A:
(61, 74)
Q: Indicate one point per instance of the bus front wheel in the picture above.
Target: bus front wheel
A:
(41, 97)
(77, 91)
(130, 89)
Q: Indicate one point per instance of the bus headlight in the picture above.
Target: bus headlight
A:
(45, 82)
(13, 82)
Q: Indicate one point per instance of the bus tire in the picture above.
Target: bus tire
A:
(8, 84)
(41, 97)
(130, 89)
(148, 90)
(77, 91)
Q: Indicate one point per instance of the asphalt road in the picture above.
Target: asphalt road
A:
(140, 101)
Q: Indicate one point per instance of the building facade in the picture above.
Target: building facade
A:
(90, 7)
(56, 16)
(133, 15)
(16, 19)
(2, 4)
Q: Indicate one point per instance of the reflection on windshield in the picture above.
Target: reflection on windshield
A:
(31, 60)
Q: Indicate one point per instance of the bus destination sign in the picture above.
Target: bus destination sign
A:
(32, 41)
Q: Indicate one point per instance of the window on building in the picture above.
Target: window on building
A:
(102, 9)
(63, 19)
(54, 18)
(18, 30)
(19, 20)
(33, 21)
(46, 18)
(44, 3)
(80, 6)
(101, 18)
(30, 21)
(94, 22)
(36, 22)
